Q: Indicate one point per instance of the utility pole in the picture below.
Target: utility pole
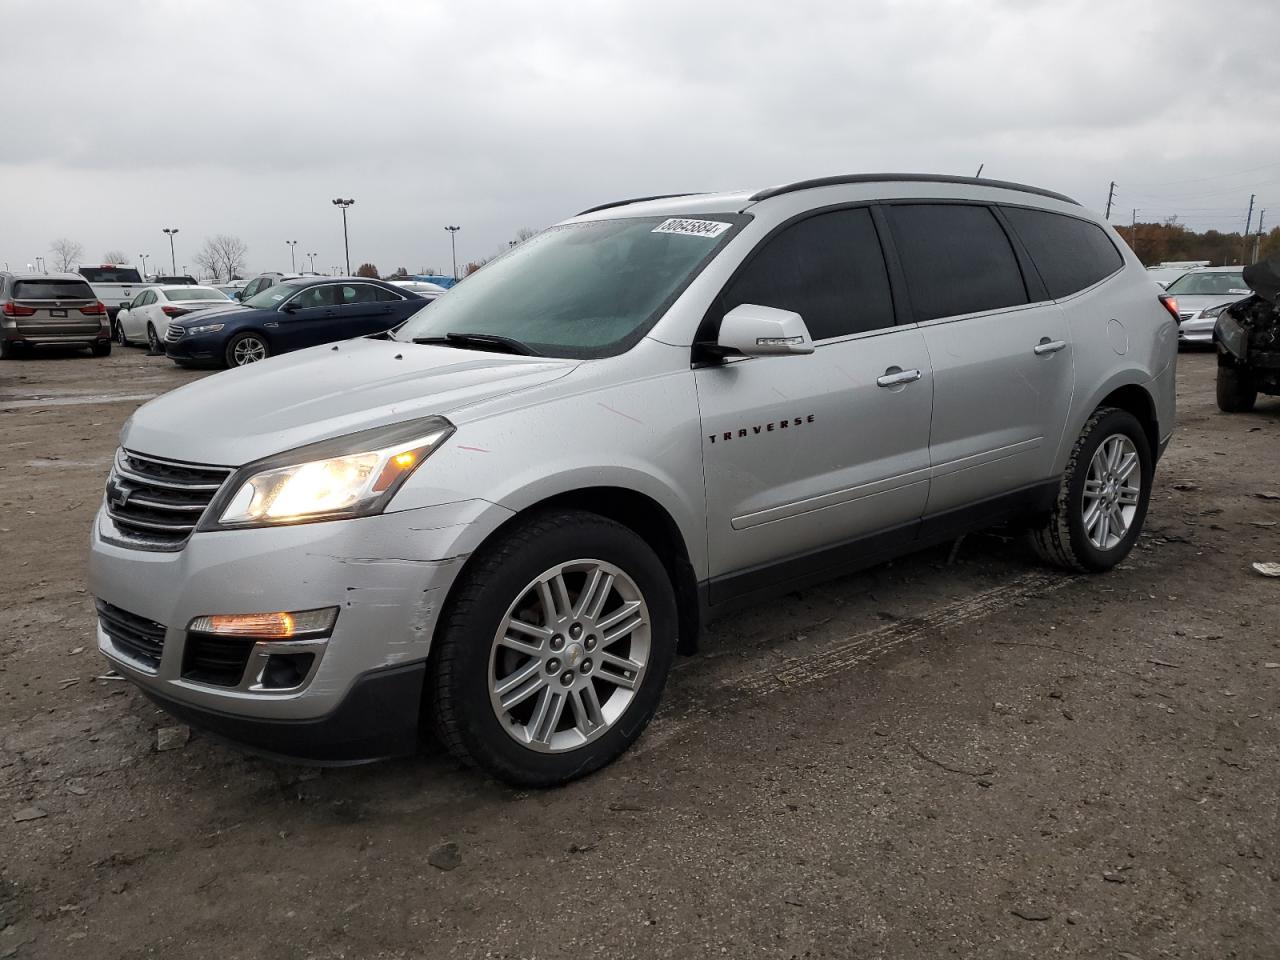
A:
(143, 258)
(312, 258)
(1257, 237)
(1111, 194)
(293, 263)
(173, 260)
(1133, 232)
(453, 233)
(1248, 222)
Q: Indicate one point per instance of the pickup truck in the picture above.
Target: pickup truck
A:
(113, 285)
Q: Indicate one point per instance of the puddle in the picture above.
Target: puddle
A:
(69, 401)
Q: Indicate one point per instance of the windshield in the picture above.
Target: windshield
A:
(110, 274)
(578, 290)
(195, 293)
(1204, 284)
(271, 297)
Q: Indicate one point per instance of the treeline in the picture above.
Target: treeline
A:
(1160, 242)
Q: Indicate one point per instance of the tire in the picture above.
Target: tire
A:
(1236, 390)
(121, 337)
(8, 350)
(1063, 538)
(102, 348)
(246, 348)
(154, 346)
(470, 660)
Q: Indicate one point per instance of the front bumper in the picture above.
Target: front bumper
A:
(203, 348)
(388, 575)
(1197, 331)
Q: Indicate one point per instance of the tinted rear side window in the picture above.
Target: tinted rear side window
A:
(956, 258)
(828, 268)
(52, 290)
(1070, 254)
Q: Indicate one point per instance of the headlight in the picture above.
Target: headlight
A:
(1213, 312)
(351, 476)
(1233, 337)
(206, 328)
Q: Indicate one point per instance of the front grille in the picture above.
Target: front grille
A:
(155, 504)
(217, 660)
(1186, 315)
(136, 637)
(174, 334)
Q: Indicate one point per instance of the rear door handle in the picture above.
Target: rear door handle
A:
(1047, 346)
(896, 377)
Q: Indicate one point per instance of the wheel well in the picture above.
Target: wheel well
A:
(645, 517)
(1137, 401)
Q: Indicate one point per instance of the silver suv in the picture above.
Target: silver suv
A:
(505, 518)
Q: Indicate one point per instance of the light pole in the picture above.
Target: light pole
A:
(312, 258)
(293, 264)
(173, 261)
(40, 265)
(344, 204)
(453, 245)
(143, 258)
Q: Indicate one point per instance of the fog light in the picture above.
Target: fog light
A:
(295, 625)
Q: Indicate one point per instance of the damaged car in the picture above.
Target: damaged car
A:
(1247, 336)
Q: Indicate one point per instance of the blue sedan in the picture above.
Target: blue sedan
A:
(289, 316)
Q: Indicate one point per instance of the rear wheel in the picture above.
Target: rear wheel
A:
(153, 340)
(1236, 390)
(553, 654)
(1102, 501)
(246, 348)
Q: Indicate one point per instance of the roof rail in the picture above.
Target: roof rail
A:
(909, 177)
(623, 203)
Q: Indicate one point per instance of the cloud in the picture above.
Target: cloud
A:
(247, 118)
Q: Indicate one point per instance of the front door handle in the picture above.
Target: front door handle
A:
(896, 377)
(1047, 346)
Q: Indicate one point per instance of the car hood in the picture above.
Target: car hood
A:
(202, 314)
(244, 414)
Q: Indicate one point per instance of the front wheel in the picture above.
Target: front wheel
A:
(246, 348)
(121, 337)
(552, 655)
(1102, 500)
(153, 341)
(1236, 390)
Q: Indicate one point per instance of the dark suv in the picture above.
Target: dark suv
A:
(51, 309)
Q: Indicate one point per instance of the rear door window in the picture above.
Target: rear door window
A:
(1069, 253)
(52, 290)
(956, 259)
(828, 268)
(358, 293)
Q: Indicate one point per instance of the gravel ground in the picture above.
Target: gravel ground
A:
(955, 754)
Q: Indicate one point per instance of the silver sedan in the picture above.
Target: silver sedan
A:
(1202, 296)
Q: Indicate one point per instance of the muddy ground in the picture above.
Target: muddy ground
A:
(946, 756)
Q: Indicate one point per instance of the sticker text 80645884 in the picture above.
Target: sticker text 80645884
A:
(692, 228)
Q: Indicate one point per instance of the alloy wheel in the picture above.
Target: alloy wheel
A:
(569, 655)
(1112, 490)
(249, 350)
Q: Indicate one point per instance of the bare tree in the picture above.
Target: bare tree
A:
(222, 255)
(115, 256)
(525, 233)
(66, 253)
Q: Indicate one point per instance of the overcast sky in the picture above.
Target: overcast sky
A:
(250, 117)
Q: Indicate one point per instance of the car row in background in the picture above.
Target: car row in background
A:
(1202, 295)
(289, 315)
(146, 318)
(51, 309)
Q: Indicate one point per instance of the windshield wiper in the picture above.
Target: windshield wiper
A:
(480, 341)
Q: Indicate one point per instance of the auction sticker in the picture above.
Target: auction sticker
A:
(692, 228)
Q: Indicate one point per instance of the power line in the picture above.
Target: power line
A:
(1216, 176)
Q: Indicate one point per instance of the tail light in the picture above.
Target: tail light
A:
(169, 311)
(94, 310)
(14, 310)
(1170, 303)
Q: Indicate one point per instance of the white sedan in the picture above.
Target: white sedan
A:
(146, 318)
(428, 291)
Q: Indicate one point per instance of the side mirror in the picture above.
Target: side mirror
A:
(291, 307)
(751, 330)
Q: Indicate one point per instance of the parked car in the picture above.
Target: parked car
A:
(1202, 296)
(289, 316)
(1248, 341)
(114, 285)
(1170, 270)
(505, 517)
(147, 318)
(176, 280)
(264, 281)
(232, 288)
(50, 309)
(428, 291)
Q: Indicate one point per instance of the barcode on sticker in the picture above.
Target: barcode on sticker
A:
(692, 228)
